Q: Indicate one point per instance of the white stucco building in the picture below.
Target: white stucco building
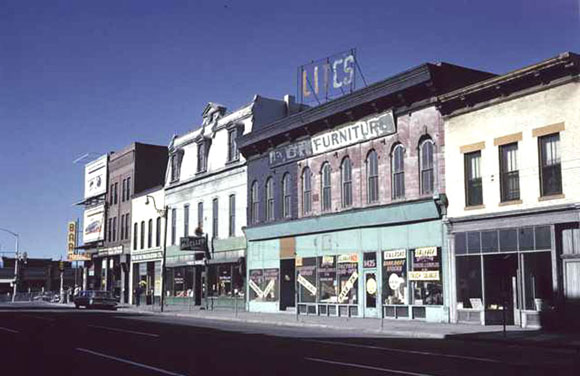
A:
(513, 182)
(206, 188)
(147, 245)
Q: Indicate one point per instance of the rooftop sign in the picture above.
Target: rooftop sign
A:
(327, 78)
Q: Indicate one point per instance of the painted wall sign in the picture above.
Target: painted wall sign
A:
(366, 129)
(193, 243)
(94, 224)
(327, 78)
(96, 177)
(288, 153)
(146, 256)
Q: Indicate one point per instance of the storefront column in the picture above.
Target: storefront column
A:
(123, 286)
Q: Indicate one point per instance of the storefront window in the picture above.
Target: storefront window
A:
(426, 276)
(180, 281)
(347, 270)
(395, 289)
(271, 285)
(264, 285)
(538, 291)
(327, 284)
(306, 279)
(256, 280)
(469, 282)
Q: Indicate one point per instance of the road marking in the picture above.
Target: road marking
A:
(463, 357)
(354, 365)
(121, 360)
(9, 330)
(124, 331)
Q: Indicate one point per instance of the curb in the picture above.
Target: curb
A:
(301, 324)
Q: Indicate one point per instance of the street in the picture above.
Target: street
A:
(49, 340)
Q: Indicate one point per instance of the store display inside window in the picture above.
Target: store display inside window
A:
(425, 276)
(264, 285)
(306, 279)
(395, 290)
(327, 283)
(347, 271)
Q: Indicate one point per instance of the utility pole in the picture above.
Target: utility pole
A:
(15, 262)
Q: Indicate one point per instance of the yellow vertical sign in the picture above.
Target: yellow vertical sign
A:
(71, 239)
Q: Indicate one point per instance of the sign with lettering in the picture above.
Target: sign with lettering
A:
(353, 257)
(369, 260)
(428, 275)
(146, 256)
(395, 254)
(327, 78)
(288, 153)
(368, 128)
(192, 243)
(347, 287)
(71, 238)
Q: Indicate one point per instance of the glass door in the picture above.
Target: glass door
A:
(371, 291)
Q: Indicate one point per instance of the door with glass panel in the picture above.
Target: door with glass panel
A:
(371, 291)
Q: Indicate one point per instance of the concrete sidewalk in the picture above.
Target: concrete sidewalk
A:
(388, 327)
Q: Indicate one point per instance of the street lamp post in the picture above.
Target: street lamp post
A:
(15, 261)
(162, 213)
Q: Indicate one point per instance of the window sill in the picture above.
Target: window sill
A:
(200, 172)
(233, 161)
(512, 202)
(474, 207)
(551, 197)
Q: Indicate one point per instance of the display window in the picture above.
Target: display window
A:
(469, 282)
(347, 272)
(395, 290)
(327, 283)
(264, 285)
(306, 278)
(425, 276)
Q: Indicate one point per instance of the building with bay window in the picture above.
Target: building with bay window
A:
(513, 185)
(346, 202)
(205, 189)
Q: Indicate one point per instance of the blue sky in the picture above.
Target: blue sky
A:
(94, 76)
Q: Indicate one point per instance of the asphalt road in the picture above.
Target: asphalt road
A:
(36, 340)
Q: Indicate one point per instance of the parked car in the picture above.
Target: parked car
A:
(95, 299)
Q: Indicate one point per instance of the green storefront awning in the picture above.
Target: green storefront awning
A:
(365, 217)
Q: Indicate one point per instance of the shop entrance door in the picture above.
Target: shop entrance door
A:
(287, 284)
(371, 291)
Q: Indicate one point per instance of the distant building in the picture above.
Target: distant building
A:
(513, 182)
(107, 224)
(35, 275)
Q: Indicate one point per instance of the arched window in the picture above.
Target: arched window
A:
(426, 166)
(269, 200)
(306, 191)
(325, 187)
(286, 210)
(398, 171)
(158, 232)
(255, 203)
(135, 231)
(372, 177)
(142, 235)
(346, 182)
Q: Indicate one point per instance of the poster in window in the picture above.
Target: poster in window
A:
(270, 285)
(327, 283)
(306, 278)
(426, 277)
(395, 277)
(255, 283)
(347, 279)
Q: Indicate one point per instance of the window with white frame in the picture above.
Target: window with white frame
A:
(346, 182)
(398, 172)
(426, 166)
(326, 184)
